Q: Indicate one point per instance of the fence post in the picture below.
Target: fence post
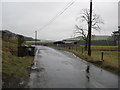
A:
(102, 56)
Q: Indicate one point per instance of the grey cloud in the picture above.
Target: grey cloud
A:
(26, 17)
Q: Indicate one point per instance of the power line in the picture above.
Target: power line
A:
(60, 13)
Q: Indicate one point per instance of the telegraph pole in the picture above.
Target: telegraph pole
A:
(89, 31)
(35, 37)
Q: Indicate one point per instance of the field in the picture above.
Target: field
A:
(14, 68)
(110, 56)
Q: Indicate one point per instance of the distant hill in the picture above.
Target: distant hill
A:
(8, 33)
(94, 37)
(74, 39)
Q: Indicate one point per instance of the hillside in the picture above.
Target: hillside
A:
(7, 33)
(94, 37)
(14, 69)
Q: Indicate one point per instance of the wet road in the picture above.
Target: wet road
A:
(60, 69)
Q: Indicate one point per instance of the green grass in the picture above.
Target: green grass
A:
(110, 56)
(14, 68)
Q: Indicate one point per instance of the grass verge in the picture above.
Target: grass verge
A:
(15, 72)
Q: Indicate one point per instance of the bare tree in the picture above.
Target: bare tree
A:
(82, 27)
(82, 32)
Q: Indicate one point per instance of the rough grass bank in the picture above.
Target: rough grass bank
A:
(15, 72)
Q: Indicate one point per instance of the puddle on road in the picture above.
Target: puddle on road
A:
(37, 78)
(66, 62)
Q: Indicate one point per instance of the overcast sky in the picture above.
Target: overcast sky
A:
(27, 17)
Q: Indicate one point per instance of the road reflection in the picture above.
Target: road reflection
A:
(88, 73)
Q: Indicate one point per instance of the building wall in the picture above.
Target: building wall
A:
(93, 42)
(99, 43)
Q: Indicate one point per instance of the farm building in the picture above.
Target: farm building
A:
(65, 43)
(116, 36)
(98, 40)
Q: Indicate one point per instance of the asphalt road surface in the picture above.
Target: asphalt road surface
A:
(60, 69)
